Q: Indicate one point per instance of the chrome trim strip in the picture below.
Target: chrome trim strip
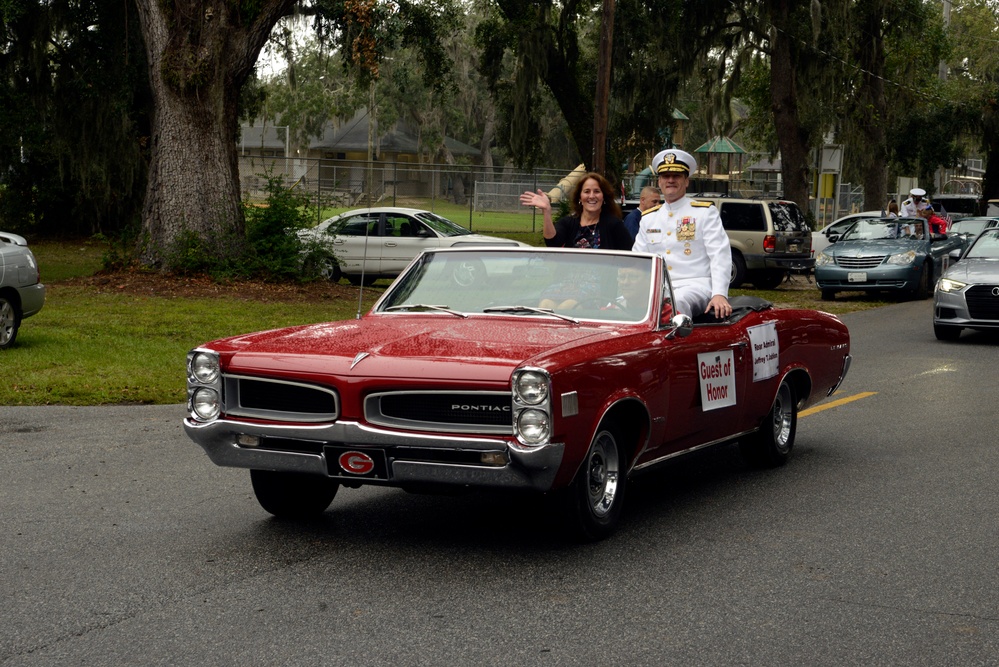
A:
(847, 360)
(529, 467)
(729, 438)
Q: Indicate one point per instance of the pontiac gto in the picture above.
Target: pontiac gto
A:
(557, 371)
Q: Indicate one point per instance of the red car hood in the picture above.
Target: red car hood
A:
(401, 346)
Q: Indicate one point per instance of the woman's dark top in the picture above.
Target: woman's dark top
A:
(609, 233)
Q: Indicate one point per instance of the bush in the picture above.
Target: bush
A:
(275, 249)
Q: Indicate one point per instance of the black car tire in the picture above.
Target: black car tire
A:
(922, 290)
(355, 279)
(325, 267)
(10, 322)
(330, 269)
(770, 446)
(828, 295)
(594, 500)
(946, 332)
(289, 495)
(738, 270)
(768, 279)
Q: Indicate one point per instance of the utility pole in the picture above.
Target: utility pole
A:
(946, 24)
(602, 95)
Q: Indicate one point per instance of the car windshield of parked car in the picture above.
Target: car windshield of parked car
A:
(986, 246)
(566, 285)
(970, 226)
(441, 225)
(869, 229)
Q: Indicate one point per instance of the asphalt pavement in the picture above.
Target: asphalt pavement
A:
(876, 545)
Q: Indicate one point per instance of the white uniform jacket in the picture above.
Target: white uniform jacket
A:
(690, 237)
(910, 210)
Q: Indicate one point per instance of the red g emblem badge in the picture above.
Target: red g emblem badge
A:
(356, 463)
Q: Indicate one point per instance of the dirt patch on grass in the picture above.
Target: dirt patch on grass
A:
(149, 283)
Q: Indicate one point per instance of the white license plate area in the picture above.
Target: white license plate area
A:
(856, 277)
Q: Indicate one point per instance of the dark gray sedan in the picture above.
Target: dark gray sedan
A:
(967, 295)
(885, 254)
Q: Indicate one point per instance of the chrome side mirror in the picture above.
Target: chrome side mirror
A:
(681, 325)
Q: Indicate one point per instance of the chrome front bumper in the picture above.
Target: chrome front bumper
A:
(531, 468)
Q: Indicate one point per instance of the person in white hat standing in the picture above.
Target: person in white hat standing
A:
(914, 204)
(690, 237)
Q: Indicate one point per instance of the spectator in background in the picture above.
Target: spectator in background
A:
(648, 198)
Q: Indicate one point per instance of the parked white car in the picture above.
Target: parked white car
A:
(381, 242)
(21, 292)
(820, 238)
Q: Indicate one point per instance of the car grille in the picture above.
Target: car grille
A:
(444, 411)
(860, 262)
(982, 305)
(279, 400)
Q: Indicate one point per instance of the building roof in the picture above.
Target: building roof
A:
(400, 138)
(263, 137)
(720, 145)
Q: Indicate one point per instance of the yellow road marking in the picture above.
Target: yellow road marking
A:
(836, 403)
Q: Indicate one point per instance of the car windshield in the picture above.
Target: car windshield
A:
(441, 225)
(986, 246)
(868, 229)
(554, 284)
(970, 226)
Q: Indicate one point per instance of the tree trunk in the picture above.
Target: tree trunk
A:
(874, 108)
(486, 143)
(200, 54)
(793, 139)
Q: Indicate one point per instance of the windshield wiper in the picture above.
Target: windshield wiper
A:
(529, 309)
(427, 306)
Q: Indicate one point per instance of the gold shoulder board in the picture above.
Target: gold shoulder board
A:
(701, 204)
(654, 208)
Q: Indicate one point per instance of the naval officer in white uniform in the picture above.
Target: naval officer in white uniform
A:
(914, 204)
(690, 237)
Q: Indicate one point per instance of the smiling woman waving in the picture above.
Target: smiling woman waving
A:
(594, 223)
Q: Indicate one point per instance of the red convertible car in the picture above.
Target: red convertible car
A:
(558, 371)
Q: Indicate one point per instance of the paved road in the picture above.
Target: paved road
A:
(876, 545)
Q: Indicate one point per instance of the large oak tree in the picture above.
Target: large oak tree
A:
(200, 53)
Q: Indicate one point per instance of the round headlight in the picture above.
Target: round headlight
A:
(205, 404)
(205, 367)
(533, 426)
(531, 387)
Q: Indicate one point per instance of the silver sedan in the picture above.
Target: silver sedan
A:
(21, 293)
(371, 243)
(967, 294)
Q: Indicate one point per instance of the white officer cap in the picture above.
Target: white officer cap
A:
(673, 160)
(917, 192)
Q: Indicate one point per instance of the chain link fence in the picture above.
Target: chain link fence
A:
(465, 194)
(483, 199)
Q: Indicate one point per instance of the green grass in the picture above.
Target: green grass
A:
(91, 348)
(86, 348)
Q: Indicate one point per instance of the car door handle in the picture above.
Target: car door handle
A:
(390, 244)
